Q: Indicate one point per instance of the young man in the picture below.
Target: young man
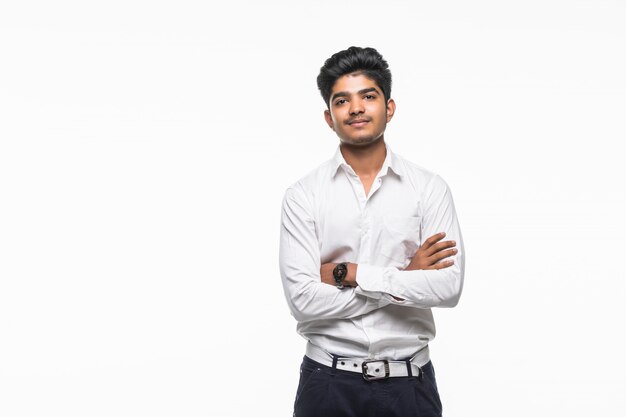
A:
(363, 257)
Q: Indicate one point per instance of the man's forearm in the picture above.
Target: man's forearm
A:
(433, 254)
(416, 288)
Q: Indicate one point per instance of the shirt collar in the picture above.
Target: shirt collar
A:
(391, 161)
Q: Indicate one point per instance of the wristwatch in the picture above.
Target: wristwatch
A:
(339, 273)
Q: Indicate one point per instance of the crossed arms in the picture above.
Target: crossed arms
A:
(431, 255)
(433, 278)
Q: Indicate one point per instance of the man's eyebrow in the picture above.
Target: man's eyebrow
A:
(369, 90)
(360, 92)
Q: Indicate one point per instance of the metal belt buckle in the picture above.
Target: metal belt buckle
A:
(384, 364)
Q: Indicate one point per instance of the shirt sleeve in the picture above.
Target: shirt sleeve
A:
(423, 288)
(299, 258)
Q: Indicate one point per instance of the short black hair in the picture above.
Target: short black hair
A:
(367, 61)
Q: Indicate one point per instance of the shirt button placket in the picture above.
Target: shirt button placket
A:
(366, 227)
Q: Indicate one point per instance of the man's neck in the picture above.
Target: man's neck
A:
(366, 161)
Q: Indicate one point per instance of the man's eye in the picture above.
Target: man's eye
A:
(370, 97)
(340, 101)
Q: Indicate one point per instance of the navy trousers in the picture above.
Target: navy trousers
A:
(327, 392)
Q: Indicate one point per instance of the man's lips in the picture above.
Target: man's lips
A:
(358, 122)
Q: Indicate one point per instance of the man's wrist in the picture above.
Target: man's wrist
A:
(326, 272)
(350, 279)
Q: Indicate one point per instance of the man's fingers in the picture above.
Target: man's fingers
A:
(441, 265)
(433, 239)
(443, 254)
(439, 247)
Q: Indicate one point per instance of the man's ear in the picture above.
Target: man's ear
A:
(329, 119)
(391, 109)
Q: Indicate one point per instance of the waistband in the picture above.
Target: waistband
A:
(371, 368)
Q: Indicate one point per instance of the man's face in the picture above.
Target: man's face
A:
(358, 112)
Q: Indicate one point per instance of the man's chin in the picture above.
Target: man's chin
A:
(360, 142)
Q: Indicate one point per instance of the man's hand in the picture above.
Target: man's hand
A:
(326, 273)
(433, 251)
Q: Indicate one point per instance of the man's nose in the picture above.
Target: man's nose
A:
(356, 107)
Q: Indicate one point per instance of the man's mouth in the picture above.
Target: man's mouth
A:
(358, 122)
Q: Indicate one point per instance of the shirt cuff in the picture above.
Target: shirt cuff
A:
(374, 295)
(373, 282)
(370, 278)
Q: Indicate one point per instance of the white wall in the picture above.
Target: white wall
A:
(145, 147)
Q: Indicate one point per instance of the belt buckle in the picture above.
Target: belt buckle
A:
(384, 363)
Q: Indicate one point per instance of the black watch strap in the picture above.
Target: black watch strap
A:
(339, 273)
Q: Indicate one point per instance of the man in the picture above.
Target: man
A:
(363, 260)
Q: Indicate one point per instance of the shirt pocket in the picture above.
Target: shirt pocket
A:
(399, 238)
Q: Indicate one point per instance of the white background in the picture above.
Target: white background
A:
(146, 145)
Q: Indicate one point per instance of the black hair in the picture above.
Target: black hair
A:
(367, 61)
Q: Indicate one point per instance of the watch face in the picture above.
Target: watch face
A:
(340, 271)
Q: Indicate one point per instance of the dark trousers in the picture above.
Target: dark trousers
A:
(327, 392)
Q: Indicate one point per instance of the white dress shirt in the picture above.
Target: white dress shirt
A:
(327, 217)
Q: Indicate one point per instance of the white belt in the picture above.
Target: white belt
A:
(371, 369)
